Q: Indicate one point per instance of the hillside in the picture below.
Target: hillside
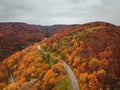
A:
(91, 50)
(17, 36)
(51, 30)
(30, 69)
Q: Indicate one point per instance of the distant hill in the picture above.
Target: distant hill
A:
(92, 51)
(17, 36)
(55, 29)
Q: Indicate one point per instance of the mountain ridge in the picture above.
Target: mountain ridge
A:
(91, 50)
(27, 34)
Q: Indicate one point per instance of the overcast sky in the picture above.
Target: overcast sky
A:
(49, 12)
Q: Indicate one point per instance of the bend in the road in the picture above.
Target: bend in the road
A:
(75, 85)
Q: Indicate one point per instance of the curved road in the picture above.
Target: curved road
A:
(75, 85)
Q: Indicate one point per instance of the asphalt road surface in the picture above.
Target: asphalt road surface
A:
(75, 85)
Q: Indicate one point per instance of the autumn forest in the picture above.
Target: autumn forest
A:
(31, 56)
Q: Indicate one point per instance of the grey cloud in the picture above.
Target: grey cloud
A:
(11, 9)
(107, 11)
(49, 12)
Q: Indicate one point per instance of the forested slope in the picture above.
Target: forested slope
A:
(91, 50)
(17, 36)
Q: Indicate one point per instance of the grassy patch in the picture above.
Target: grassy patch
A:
(64, 84)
